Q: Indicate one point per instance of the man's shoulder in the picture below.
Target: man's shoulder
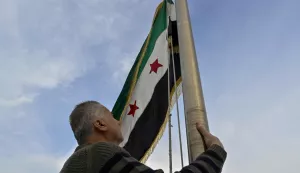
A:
(77, 162)
(100, 150)
(93, 156)
(105, 149)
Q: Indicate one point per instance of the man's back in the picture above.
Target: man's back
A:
(93, 158)
(109, 158)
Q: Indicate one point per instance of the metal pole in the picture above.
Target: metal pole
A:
(170, 121)
(170, 144)
(177, 107)
(192, 90)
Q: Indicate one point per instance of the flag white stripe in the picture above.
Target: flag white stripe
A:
(146, 84)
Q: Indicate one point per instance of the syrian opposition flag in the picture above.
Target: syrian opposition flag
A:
(144, 104)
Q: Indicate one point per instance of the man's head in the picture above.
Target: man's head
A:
(92, 122)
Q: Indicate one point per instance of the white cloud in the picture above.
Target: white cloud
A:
(46, 45)
(27, 66)
(17, 101)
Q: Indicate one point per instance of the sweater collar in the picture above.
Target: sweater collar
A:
(82, 146)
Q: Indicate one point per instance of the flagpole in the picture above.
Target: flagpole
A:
(191, 84)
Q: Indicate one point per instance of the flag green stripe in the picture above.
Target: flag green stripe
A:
(122, 99)
(158, 26)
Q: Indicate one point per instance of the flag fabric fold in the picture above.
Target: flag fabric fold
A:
(144, 104)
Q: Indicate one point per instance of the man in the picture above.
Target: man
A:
(98, 135)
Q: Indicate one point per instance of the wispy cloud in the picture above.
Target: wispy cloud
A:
(46, 45)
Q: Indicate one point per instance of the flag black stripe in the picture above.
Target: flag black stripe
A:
(127, 168)
(148, 125)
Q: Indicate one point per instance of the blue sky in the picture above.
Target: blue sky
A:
(55, 54)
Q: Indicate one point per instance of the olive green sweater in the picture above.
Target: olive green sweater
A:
(109, 158)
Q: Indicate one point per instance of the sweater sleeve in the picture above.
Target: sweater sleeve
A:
(211, 161)
(109, 158)
(124, 163)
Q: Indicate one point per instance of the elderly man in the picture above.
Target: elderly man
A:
(98, 135)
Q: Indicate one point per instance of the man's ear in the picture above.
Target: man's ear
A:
(100, 125)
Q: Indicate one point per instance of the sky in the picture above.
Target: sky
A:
(57, 53)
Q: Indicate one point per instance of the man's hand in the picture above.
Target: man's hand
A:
(208, 138)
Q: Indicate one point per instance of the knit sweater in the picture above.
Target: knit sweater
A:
(109, 158)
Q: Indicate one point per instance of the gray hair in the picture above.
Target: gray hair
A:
(82, 117)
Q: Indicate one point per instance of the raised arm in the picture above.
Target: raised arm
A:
(211, 161)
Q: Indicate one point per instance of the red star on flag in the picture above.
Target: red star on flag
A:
(154, 66)
(133, 108)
